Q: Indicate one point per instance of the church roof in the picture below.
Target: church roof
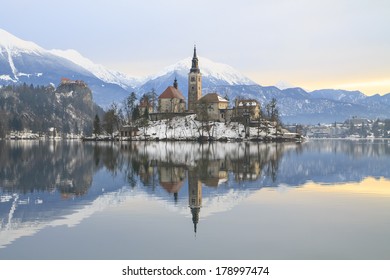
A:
(172, 187)
(212, 98)
(171, 92)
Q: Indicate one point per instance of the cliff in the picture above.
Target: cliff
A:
(69, 108)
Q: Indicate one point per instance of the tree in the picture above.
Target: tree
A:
(386, 128)
(153, 99)
(146, 113)
(136, 113)
(111, 119)
(363, 131)
(203, 116)
(145, 103)
(351, 128)
(15, 124)
(129, 106)
(2, 130)
(272, 111)
(96, 125)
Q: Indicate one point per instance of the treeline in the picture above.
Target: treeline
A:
(378, 129)
(129, 112)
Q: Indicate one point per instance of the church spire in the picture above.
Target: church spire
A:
(195, 52)
(195, 217)
(195, 63)
(175, 85)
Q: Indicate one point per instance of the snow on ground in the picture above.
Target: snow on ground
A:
(188, 128)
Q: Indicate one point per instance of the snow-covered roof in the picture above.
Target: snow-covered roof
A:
(213, 98)
(247, 103)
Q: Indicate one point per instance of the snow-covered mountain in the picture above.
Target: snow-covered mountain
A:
(213, 74)
(101, 72)
(26, 62)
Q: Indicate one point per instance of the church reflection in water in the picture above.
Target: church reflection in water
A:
(197, 166)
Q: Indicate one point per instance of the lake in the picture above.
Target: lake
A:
(321, 200)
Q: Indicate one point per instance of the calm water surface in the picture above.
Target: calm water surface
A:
(315, 200)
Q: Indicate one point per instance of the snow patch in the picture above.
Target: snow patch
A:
(6, 78)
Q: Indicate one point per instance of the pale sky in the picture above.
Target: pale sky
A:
(307, 43)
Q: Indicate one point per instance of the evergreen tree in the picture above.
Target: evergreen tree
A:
(375, 128)
(146, 113)
(386, 128)
(15, 124)
(96, 125)
(129, 106)
(136, 113)
(109, 121)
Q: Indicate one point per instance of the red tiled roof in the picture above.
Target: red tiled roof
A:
(172, 187)
(171, 92)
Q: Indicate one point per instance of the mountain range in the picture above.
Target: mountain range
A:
(26, 62)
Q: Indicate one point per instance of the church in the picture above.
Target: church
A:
(172, 103)
(172, 99)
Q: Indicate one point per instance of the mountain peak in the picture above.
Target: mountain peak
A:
(209, 69)
(16, 45)
(101, 72)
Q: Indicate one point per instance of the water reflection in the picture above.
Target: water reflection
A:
(52, 183)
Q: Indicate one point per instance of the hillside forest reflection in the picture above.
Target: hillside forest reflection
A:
(43, 182)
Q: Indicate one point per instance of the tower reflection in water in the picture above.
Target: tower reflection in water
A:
(194, 195)
(172, 179)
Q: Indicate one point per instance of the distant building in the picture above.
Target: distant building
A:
(66, 81)
(212, 107)
(172, 100)
(145, 104)
(358, 121)
(249, 107)
(129, 131)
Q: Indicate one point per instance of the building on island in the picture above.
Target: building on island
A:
(172, 100)
(212, 107)
(249, 107)
(129, 131)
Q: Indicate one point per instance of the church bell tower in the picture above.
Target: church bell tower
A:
(194, 83)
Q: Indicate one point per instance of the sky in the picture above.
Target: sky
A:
(341, 44)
